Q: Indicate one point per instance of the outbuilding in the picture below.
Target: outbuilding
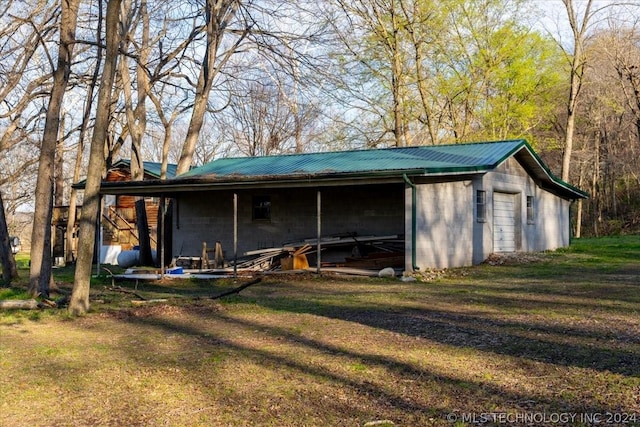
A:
(448, 205)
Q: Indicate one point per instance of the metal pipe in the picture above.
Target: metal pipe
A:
(235, 235)
(413, 221)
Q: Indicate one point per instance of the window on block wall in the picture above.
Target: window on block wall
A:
(262, 208)
(481, 206)
(530, 216)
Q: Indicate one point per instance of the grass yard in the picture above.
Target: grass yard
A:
(550, 339)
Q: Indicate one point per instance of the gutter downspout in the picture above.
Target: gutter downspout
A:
(413, 221)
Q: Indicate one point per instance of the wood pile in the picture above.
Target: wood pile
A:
(367, 252)
(346, 250)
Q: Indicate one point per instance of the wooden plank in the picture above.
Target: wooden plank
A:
(334, 241)
(269, 250)
(351, 271)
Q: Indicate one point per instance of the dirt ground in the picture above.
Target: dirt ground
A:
(491, 345)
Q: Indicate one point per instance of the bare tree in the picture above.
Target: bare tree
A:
(41, 263)
(24, 28)
(262, 119)
(79, 303)
(577, 59)
(607, 158)
(82, 135)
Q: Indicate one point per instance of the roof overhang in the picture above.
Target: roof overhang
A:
(184, 185)
(543, 176)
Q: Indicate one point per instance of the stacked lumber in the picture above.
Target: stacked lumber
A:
(261, 259)
(367, 252)
(348, 250)
(347, 239)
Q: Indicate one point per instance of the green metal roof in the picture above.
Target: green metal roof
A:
(353, 167)
(430, 159)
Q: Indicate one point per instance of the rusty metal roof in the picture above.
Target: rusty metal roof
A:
(150, 168)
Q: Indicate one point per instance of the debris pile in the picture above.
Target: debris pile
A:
(345, 253)
(513, 258)
(344, 250)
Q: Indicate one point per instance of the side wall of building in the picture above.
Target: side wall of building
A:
(552, 222)
(451, 233)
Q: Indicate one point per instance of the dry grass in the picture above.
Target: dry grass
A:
(560, 334)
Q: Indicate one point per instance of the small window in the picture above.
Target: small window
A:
(261, 208)
(481, 206)
(530, 218)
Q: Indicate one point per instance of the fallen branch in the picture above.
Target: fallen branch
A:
(17, 304)
(234, 290)
(148, 301)
(125, 291)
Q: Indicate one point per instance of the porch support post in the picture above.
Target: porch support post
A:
(235, 235)
(319, 227)
(99, 236)
(160, 235)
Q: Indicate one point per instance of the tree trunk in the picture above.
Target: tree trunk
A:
(29, 304)
(40, 273)
(580, 206)
(79, 303)
(71, 221)
(578, 63)
(57, 239)
(9, 268)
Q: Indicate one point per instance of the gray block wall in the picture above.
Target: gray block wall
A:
(208, 216)
(449, 235)
(444, 216)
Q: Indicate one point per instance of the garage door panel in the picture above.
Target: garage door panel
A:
(504, 224)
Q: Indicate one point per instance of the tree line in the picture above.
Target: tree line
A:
(86, 82)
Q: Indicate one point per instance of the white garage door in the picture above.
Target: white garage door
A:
(504, 222)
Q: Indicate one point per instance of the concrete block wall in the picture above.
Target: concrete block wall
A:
(444, 231)
(449, 235)
(208, 216)
(550, 228)
(552, 216)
